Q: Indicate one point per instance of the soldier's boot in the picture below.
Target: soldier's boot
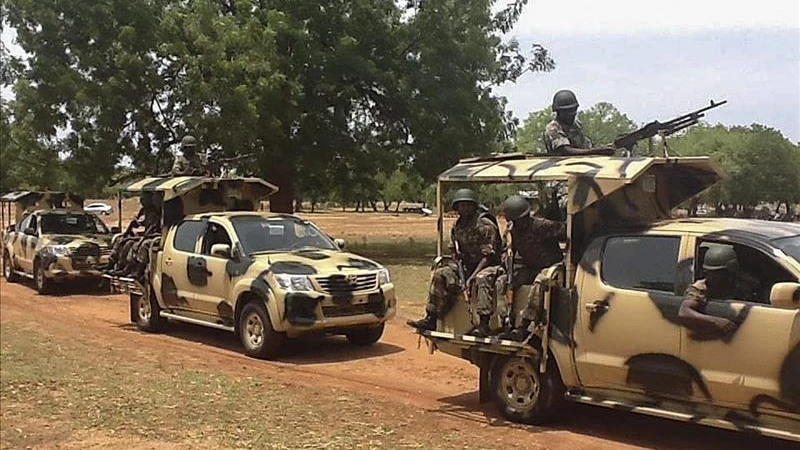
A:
(428, 323)
(482, 330)
(520, 333)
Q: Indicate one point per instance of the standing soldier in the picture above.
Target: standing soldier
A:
(475, 242)
(189, 161)
(535, 241)
(563, 136)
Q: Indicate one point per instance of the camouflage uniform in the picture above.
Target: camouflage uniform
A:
(557, 134)
(744, 287)
(192, 165)
(536, 242)
(477, 238)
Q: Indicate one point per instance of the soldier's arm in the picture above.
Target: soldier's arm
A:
(559, 144)
(488, 245)
(690, 313)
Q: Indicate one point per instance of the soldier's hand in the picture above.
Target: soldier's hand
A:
(606, 150)
(725, 325)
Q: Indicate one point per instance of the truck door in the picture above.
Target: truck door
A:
(180, 273)
(628, 288)
(25, 246)
(212, 298)
(757, 366)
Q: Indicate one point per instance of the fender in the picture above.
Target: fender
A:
(258, 287)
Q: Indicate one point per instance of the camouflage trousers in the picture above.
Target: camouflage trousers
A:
(522, 276)
(445, 291)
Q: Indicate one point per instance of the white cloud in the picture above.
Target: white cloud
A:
(638, 16)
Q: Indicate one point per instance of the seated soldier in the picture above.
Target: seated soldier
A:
(535, 243)
(475, 241)
(723, 281)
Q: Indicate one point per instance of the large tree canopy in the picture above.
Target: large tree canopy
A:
(322, 93)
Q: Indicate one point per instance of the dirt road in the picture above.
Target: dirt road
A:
(442, 388)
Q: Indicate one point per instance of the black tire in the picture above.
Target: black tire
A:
(523, 394)
(259, 338)
(146, 312)
(43, 284)
(8, 268)
(365, 336)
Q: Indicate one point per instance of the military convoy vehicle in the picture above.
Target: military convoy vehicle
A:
(222, 263)
(51, 239)
(609, 332)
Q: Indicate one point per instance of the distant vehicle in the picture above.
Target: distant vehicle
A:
(98, 208)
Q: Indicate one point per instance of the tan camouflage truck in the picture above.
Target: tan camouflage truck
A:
(222, 263)
(51, 239)
(609, 332)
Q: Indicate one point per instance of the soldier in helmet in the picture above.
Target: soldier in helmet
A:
(189, 161)
(474, 239)
(563, 136)
(534, 243)
(723, 281)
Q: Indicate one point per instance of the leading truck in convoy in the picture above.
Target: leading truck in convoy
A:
(609, 331)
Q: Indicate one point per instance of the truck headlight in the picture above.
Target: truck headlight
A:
(383, 277)
(59, 250)
(294, 282)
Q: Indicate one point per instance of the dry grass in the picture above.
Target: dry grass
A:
(58, 393)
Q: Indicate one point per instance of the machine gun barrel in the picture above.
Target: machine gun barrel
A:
(627, 141)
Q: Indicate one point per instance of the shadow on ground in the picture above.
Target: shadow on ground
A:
(618, 426)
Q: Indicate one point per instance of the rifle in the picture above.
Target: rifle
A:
(218, 166)
(627, 141)
(509, 320)
(462, 279)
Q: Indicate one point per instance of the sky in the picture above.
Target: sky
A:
(659, 62)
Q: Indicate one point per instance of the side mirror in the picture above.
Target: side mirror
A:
(30, 231)
(785, 295)
(115, 230)
(221, 250)
(339, 243)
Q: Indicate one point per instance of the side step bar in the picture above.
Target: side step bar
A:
(684, 417)
(196, 321)
(23, 274)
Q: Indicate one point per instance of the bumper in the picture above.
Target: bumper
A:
(310, 311)
(64, 267)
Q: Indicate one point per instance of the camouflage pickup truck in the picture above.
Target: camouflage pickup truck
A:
(221, 263)
(614, 326)
(52, 240)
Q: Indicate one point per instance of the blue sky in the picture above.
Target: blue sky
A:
(659, 66)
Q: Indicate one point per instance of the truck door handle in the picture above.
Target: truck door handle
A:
(596, 306)
(168, 261)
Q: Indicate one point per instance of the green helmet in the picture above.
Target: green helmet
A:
(188, 141)
(516, 207)
(564, 99)
(720, 257)
(464, 195)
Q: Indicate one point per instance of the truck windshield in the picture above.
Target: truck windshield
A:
(276, 234)
(72, 224)
(790, 246)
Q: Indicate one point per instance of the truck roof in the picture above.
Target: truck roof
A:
(763, 229)
(232, 214)
(172, 187)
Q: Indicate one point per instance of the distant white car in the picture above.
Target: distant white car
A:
(99, 208)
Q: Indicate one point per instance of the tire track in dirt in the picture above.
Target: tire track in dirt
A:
(393, 370)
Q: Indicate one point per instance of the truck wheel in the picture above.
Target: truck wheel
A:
(525, 395)
(258, 337)
(365, 336)
(43, 284)
(147, 312)
(8, 268)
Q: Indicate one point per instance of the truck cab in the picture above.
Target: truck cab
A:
(610, 332)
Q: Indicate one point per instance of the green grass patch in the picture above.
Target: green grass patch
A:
(400, 251)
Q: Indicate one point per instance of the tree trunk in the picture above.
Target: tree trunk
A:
(397, 208)
(374, 205)
(281, 175)
(386, 205)
(298, 204)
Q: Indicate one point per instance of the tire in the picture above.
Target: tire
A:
(523, 394)
(146, 312)
(43, 284)
(8, 268)
(365, 336)
(259, 338)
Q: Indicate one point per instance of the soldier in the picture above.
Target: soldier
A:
(139, 256)
(563, 136)
(723, 281)
(475, 240)
(535, 243)
(189, 162)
